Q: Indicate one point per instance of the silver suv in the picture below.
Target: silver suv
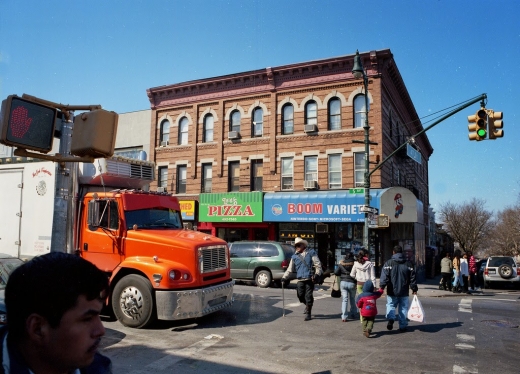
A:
(501, 269)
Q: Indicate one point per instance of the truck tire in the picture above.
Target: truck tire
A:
(132, 301)
(263, 278)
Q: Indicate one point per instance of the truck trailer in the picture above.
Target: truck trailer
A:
(157, 268)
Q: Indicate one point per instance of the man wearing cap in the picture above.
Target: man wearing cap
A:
(302, 263)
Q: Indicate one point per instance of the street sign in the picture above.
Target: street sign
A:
(368, 209)
(413, 153)
(356, 190)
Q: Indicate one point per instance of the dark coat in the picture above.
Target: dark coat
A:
(398, 275)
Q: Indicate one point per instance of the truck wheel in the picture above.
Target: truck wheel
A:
(132, 301)
(263, 278)
(505, 271)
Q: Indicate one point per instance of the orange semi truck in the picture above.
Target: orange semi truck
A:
(157, 269)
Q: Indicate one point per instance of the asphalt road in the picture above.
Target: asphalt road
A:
(462, 333)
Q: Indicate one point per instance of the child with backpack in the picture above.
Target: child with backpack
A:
(366, 302)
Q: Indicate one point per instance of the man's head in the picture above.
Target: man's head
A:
(53, 304)
(300, 244)
(398, 249)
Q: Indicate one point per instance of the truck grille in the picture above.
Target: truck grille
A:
(213, 258)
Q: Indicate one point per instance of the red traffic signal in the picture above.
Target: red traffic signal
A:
(26, 124)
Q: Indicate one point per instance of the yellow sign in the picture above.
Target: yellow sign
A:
(187, 209)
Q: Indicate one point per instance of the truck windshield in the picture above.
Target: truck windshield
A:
(154, 218)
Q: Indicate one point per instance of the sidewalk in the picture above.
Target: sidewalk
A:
(427, 288)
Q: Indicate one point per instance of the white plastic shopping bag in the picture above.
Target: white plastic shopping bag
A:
(416, 312)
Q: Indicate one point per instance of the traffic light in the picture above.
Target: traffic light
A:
(94, 134)
(495, 123)
(478, 125)
(27, 124)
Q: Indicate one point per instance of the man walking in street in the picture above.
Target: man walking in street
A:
(398, 275)
(302, 263)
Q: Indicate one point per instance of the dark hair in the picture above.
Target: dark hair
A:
(361, 257)
(398, 249)
(49, 285)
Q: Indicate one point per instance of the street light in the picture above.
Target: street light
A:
(359, 72)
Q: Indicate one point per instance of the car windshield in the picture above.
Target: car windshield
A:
(7, 265)
(155, 218)
(499, 261)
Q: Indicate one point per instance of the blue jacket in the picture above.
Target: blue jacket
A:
(398, 275)
(304, 271)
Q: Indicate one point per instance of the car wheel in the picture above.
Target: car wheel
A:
(263, 278)
(505, 271)
(132, 301)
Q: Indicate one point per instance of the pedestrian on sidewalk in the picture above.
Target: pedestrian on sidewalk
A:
(366, 302)
(464, 272)
(472, 262)
(347, 287)
(398, 275)
(446, 271)
(457, 278)
(362, 271)
(302, 263)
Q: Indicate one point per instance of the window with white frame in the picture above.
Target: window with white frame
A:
(181, 179)
(234, 121)
(207, 178)
(359, 169)
(162, 177)
(165, 131)
(258, 122)
(334, 171)
(311, 113)
(287, 173)
(334, 114)
(287, 119)
(183, 131)
(207, 135)
(311, 168)
(359, 111)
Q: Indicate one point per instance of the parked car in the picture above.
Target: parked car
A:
(481, 266)
(261, 261)
(7, 265)
(501, 269)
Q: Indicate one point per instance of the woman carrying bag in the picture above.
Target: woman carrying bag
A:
(347, 287)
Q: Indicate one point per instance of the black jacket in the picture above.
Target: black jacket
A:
(100, 365)
(343, 271)
(398, 275)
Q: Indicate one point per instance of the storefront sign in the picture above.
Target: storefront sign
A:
(187, 209)
(318, 206)
(231, 207)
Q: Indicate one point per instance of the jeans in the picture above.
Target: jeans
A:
(457, 279)
(348, 292)
(400, 303)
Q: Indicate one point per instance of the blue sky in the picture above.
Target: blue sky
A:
(109, 52)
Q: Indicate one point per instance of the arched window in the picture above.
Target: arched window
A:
(311, 113)
(334, 114)
(359, 111)
(207, 136)
(258, 122)
(287, 119)
(234, 121)
(183, 131)
(165, 132)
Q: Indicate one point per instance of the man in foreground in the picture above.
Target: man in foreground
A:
(53, 305)
(398, 275)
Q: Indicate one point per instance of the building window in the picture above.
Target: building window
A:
(334, 171)
(207, 136)
(234, 176)
(257, 173)
(165, 132)
(181, 179)
(234, 121)
(258, 122)
(162, 177)
(287, 119)
(183, 131)
(359, 111)
(207, 176)
(359, 169)
(287, 173)
(334, 114)
(311, 113)
(311, 168)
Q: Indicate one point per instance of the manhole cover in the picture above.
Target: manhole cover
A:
(498, 323)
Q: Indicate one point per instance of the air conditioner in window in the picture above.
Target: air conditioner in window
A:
(164, 143)
(310, 185)
(310, 128)
(233, 135)
(322, 227)
(161, 189)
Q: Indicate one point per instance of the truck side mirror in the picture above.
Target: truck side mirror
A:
(94, 213)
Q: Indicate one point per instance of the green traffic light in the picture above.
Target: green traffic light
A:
(481, 133)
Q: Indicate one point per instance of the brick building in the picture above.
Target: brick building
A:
(269, 154)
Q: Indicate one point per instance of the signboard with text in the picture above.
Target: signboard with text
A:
(231, 207)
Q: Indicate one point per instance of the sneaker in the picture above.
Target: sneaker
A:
(366, 333)
(390, 325)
